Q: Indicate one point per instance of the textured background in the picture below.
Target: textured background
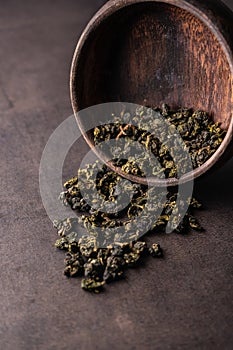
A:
(181, 302)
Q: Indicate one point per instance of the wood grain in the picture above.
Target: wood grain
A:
(176, 52)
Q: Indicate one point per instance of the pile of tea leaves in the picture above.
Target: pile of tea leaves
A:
(200, 134)
(102, 255)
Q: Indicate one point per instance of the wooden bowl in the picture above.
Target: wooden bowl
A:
(151, 52)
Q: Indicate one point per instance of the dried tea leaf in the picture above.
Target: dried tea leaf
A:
(156, 251)
(91, 285)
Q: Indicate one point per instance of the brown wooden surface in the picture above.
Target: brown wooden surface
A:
(181, 302)
(156, 52)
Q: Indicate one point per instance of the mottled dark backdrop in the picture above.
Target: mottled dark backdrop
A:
(181, 302)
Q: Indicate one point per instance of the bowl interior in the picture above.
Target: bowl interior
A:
(152, 53)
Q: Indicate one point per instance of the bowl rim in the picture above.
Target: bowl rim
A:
(104, 12)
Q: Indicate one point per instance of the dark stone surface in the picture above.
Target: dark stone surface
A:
(181, 302)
